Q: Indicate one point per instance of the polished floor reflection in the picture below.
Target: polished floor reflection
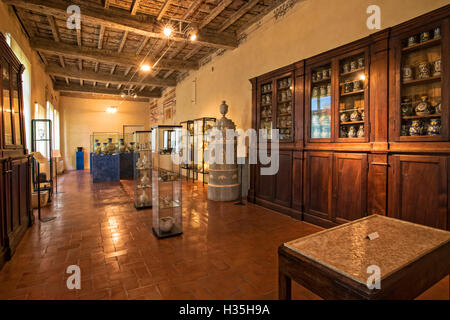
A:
(226, 251)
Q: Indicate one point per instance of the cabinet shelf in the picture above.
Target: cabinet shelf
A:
(423, 45)
(322, 81)
(421, 81)
(352, 122)
(434, 115)
(343, 74)
(352, 93)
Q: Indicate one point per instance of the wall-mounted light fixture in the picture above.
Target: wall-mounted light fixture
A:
(111, 110)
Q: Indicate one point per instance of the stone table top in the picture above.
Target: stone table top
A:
(347, 250)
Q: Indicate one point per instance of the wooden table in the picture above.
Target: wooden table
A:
(333, 263)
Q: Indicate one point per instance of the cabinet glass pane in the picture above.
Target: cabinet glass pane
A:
(7, 114)
(321, 102)
(266, 108)
(421, 84)
(284, 108)
(16, 110)
(352, 84)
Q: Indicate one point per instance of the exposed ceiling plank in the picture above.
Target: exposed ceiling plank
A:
(139, 24)
(98, 77)
(163, 9)
(215, 12)
(194, 6)
(142, 46)
(61, 61)
(100, 36)
(270, 7)
(54, 28)
(135, 6)
(88, 89)
(107, 3)
(238, 14)
(101, 96)
(192, 53)
(124, 40)
(106, 56)
(168, 73)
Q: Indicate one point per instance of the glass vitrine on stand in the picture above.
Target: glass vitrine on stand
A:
(143, 176)
(201, 144)
(166, 181)
(187, 142)
(42, 142)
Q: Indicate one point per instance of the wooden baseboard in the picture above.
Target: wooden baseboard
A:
(296, 214)
(318, 221)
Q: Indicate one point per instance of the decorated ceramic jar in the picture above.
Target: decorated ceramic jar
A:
(348, 86)
(325, 74)
(357, 85)
(353, 65)
(315, 92)
(362, 115)
(437, 32)
(437, 107)
(343, 132)
(323, 91)
(98, 148)
(404, 130)
(166, 224)
(352, 132)
(437, 67)
(145, 180)
(411, 41)
(355, 116)
(406, 107)
(346, 68)
(360, 133)
(434, 127)
(131, 147)
(319, 76)
(424, 107)
(329, 90)
(105, 148)
(424, 36)
(416, 128)
(325, 132)
(111, 147)
(361, 63)
(407, 73)
(424, 70)
(344, 117)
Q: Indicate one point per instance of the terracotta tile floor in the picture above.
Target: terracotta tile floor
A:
(226, 251)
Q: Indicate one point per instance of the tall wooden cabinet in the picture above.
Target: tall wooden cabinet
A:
(371, 129)
(15, 198)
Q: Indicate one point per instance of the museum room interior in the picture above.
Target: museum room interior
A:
(224, 149)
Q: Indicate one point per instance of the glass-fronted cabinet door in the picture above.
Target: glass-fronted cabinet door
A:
(318, 102)
(266, 108)
(16, 109)
(6, 104)
(422, 84)
(284, 108)
(352, 98)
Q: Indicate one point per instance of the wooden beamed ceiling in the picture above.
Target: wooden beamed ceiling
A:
(117, 36)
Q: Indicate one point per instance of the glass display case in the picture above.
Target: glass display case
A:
(352, 96)
(265, 109)
(105, 142)
(421, 107)
(187, 142)
(201, 144)
(143, 177)
(166, 180)
(42, 142)
(320, 107)
(284, 108)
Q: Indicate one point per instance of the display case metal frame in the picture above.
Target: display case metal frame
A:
(200, 167)
(143, 166)
(166, 181)
(188, 146)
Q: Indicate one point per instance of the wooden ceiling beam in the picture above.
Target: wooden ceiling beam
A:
(98, 77)
(54, 28)
(194, 6)
(124, 40)
(100, 37)
(163, 9)
(238, 14)
(116, 19)
(135, 7)
(106, 56)
(215, 12)
(106, 4)
(98, 90)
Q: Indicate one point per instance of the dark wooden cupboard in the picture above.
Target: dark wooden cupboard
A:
(381, 166)
(15, 198)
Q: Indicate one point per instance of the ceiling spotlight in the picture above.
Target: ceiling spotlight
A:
(123, 94)
(111, 109)
(362, 77)
(167, 31)
(146, 67)
(193, 37)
